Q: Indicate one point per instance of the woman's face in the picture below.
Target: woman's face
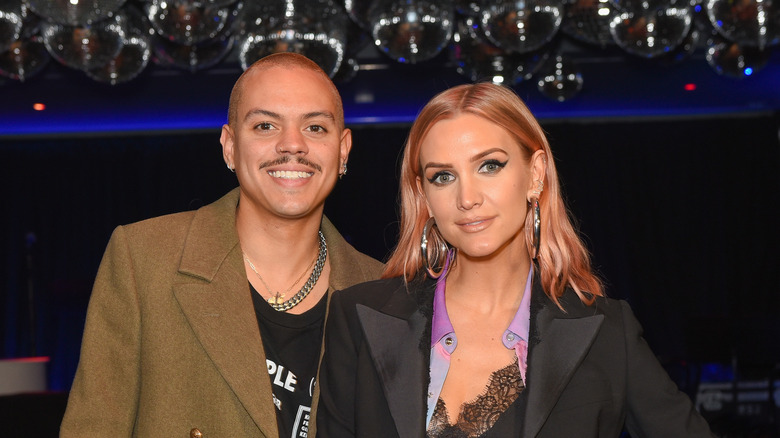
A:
(476, 182)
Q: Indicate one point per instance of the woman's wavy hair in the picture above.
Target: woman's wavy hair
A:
(563, 260)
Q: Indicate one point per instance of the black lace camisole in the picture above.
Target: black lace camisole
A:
(495, 413)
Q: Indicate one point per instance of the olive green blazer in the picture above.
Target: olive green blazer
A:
(171, 346)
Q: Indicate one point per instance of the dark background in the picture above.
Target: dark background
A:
(680, 215)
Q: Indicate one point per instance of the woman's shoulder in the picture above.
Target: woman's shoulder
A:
(574, 307)
(372, 293)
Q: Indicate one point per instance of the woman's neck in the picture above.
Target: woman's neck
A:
(490, 284)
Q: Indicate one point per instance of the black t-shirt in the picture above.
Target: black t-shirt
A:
(292, 349)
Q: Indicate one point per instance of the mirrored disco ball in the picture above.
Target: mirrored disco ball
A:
(328, 53)
(478, 60)
(10, 29)
(754, 23)
(136, 50)
(75, 12)
(412, 31)
(131, 61)
(560, 79)
(85, 47)
(521, 26)
(588, 21)
(24, 59)
(650, 28)
(730, 59)
(313, 28)
(183, 22)
(191, 57)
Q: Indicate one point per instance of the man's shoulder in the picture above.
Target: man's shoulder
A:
(176, 225)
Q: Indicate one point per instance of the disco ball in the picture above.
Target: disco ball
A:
(128, 64)
(478, 60)
(135, 54)
(521, 26)
(730, 59)
(411, 31)
(183, 22)
(85, 47)
(24, 59)
(754, 23)
(650, 28)
(315, 29)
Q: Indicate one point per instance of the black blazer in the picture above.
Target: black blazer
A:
(589, 369)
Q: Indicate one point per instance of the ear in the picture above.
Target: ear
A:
(538, 172)
(344, 147)
(226, 139)
(425, 198)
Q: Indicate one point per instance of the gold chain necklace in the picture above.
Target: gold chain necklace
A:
(276, 300)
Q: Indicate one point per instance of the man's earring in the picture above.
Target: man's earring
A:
(343, 170)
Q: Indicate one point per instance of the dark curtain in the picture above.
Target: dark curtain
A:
(679, 215)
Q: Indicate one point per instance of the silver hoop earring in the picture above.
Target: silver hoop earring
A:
(343, 170)
(442, 250)
(536, 227)
(230, 168)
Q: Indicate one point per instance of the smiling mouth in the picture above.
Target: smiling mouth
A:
(290, 174)
(472, 222)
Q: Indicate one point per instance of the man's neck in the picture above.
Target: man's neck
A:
(280, 245)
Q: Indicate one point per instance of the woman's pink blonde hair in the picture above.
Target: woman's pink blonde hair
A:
(563, 260)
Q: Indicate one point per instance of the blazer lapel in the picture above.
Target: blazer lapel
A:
(401, 366)
(562, 340)
(214, 296)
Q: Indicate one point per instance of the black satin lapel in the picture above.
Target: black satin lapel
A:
(562, 345)
(393, 343)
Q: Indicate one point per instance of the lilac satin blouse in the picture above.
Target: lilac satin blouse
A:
(444, 340)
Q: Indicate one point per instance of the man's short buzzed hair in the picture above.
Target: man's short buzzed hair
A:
(283, 60)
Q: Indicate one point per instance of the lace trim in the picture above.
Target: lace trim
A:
(477, 417)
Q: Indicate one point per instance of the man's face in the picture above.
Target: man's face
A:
(286, 144)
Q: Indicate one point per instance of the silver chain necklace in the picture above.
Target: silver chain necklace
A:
(276, 300)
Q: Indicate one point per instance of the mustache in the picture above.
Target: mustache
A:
(284, 159)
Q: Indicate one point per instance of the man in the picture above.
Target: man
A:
(171, 345)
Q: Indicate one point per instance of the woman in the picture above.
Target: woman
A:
(489, 321)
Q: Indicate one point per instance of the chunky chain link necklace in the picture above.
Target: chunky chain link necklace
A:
(276, 299)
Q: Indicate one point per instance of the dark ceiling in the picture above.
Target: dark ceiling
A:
(615, 86)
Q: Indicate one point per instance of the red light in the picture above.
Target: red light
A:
(39, 106)
(690, 87)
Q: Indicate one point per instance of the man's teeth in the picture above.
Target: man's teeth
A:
(289, 174)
